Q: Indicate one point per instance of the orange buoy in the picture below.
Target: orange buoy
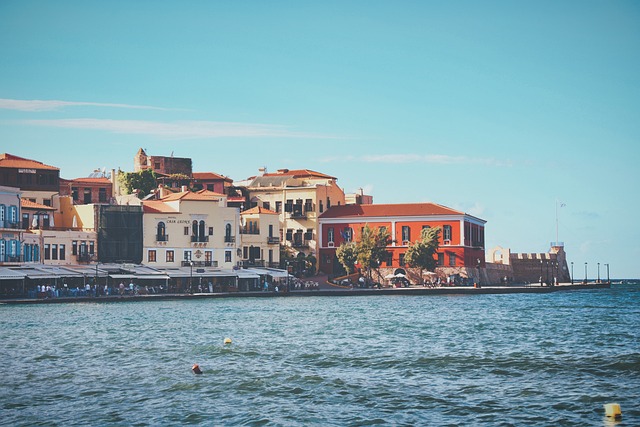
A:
(196, 369)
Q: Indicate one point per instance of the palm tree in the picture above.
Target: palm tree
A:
(421, 253)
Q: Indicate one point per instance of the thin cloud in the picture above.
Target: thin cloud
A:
(52, 105)
(174, 130)
(441, 159)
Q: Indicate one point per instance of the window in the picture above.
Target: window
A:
(278, 207)
(74, 193)
(328, 203)
(210, 231)
(169, 256)
(309, 234)
(245, 252)
(201, 227)
(156, 165)
(74, 247)
(102, 195)
(402, 259)
(161, 232)
(452, 260)
(289, 234)
(266, 205)
(208, 256)
(308, 205)
(330, 234)
(270, 230)
(227, 232)
(91, 247)
(47, 251)
(87, 196)
(389, 260)
(25, 221)
(347, 234)
(54, 251)
(288, 206)
(406, 233)
(186, 230)
(187, 256)
(63, 255)
(46, 202)
(151, 255)
(227, 256)
(321, 207)
(440, 259)
(13, 214)
(446, 232)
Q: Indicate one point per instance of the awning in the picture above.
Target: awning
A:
(8, 274)
(152, 277)
(268, 272)
(243, 274)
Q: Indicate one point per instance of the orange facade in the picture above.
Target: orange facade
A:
(461, 236)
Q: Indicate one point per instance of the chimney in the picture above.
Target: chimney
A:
(184, 188)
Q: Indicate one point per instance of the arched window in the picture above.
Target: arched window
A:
(194, 228)
(201, 233)
(227, 230)
(161, 231)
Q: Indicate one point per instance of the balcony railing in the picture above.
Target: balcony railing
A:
(255, 263)
(11, 258)
(300, 244)
(229, 239)
(164, 238)
(9, 224)
(246, 230)
(298, 215)
(273, 240)
(84, 257)
(199, 239)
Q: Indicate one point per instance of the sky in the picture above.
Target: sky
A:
(525, 114)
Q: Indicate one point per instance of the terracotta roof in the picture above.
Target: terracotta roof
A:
(259, 210)
(203, 195)
(10, 161)
(92, 180)
(155, 206)
(299, 173)
(28, 204)
(210, 175)
(382, 210)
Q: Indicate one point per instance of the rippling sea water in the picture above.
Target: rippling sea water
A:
(549, 359)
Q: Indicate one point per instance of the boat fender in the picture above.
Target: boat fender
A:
(196, 369)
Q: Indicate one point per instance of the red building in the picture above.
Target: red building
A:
(461, 237)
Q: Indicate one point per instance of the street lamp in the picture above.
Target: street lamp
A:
(191, 276)
(585, 273)
(572, 272)
(608, 281)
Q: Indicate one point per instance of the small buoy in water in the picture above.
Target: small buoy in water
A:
(227, 340)
(613, 410)
(196, 369)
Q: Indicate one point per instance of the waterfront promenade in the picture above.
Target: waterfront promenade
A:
(325, 289)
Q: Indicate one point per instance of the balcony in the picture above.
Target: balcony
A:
(199, 263)
(298, 215)
(164, 238)
(199, 239)
(11, 258)
(252, 263)
(300, 244)
(246, 230)
(10, 224)
(229, 239)
(273, 240)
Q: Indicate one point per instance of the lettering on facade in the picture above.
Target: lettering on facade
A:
(26, 171)
(178, 221)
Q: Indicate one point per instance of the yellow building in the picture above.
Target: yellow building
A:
(188, 228)
(260, 237)
(299, 197)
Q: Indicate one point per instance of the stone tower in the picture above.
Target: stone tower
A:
(140, 161)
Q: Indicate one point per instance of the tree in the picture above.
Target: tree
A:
(421, 253)
(372, 247)
(347, 255)
(143, 181)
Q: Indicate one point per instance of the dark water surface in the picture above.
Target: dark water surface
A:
(549, 359)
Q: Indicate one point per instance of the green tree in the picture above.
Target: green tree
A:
(372, 247)
(144, 181)
(421, 253)
(347, 255)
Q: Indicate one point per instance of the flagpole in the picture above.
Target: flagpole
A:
(556, 221)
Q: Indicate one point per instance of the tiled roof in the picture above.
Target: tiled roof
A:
(10, 161)
(210, 176)
(383, 210)
(155, 206)
(203, 195)
(259, 210)
(92, 180)
(28, 204)
(299, 173)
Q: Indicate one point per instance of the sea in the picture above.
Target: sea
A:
(459, 360)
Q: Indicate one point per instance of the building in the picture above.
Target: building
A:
(190, 229)
(211, 181)
(299, 197)
(260, 237)
(37, 182)
(461, 251)
(98, 188)
(11, 226)
(162, 165)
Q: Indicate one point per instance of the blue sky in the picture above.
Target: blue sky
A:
(501, 109)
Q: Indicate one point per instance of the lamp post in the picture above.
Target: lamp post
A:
(608, 280)
(190, 276)
(540, 272)
(547, 276)
(572, 272)
(585, 273)
(598, 272)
